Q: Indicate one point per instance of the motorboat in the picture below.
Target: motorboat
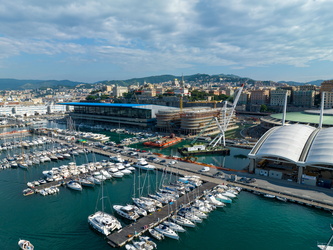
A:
(229, 194)
(74, 185)
(175, 227)
(212, 200)
(116, 158)
(127, 212)
(23, 165)
(166, 231)
(94, 180)
(281, 198)
(25, 245)
(222, 198)
(115, 172)
(157, 235)
(103, 222)
(98, 175)
(149, 244)
(106, 174)
(143, 164)
(269, 196)
(126, 171)
(28, 191)
(182, 221)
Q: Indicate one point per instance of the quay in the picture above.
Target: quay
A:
(128, 233)
(316, 197)
(14, 133)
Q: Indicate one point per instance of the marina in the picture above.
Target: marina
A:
(181, 168)
(139, 227)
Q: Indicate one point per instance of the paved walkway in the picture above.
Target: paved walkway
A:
(266, 184)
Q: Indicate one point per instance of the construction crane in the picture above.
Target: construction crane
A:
(226, 119)
(215, 102)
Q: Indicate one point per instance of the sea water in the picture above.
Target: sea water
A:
(60, 221)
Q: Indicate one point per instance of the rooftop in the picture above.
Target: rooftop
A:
(100, 104)
(302, 117)
(298, 144)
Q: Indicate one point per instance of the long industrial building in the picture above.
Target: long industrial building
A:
(139, 115)
(295, 152)
(167, 119)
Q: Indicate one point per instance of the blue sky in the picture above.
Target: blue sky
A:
(92, 40)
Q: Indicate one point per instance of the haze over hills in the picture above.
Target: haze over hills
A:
(15, 84)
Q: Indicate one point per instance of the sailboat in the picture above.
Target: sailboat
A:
(103, 222)
(326, 246)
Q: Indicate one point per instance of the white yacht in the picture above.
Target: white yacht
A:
(106, 174)
(25, 245)
(166, 231)
(127, 212)
(104, 222)
(115, 172)
(143, 164)
(212, 200)
(74, 185)
(116, 158)
(126, 171)
(98, 175)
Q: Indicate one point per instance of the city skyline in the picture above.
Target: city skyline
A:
(90, 41)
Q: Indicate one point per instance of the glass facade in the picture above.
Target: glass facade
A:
(114, 111)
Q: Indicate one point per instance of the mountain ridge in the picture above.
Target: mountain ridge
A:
(16, 84)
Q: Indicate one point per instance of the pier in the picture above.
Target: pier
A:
(316, 197)
(128, 233)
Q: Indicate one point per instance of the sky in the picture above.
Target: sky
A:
(95, 40)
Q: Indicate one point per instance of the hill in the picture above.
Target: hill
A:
(14, 84)
(316, 82)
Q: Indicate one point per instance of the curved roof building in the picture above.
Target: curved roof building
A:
(299, 144)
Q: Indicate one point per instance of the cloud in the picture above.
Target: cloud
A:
(172, 34)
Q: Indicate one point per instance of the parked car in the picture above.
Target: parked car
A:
(204, 169)
(251, 180)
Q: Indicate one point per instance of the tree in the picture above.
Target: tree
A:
(263, 108)
(91, 98)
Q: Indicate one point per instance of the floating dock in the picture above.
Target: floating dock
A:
(128, 233)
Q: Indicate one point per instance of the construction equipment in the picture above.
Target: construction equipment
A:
(226, 119)
(215, 102)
